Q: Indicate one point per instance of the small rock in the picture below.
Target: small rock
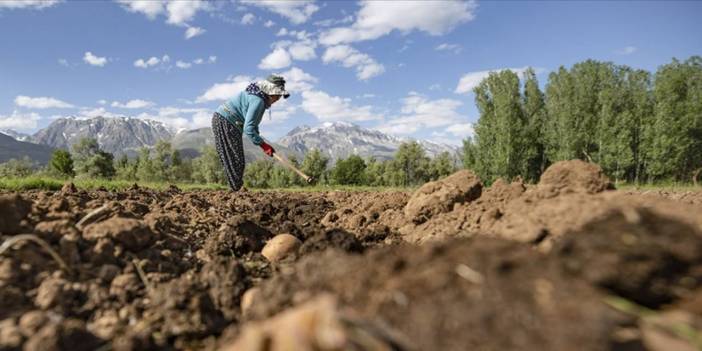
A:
(10, 336)
(280, 246)
(14, 210)
(133, 234)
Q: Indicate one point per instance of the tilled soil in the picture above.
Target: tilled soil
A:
(568, 263)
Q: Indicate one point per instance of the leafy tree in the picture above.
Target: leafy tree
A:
(126, 169)
(441, 166)
(17, 168)
(373, 173)
(349, 171)
(315, 165)
(470, 154)
(145, 170)
(675, 137)
(90, 161)
(411, 159)
(501, 132)
(207, 168)
(534, 110)
(258, 174)
(61, 163)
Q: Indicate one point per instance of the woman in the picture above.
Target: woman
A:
(242, 115)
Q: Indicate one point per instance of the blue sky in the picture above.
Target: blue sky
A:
(405, 68)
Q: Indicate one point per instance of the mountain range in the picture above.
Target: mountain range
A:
(126, 135)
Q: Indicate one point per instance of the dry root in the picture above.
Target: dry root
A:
(35, 239)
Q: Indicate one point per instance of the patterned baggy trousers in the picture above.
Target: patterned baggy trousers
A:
(230, 148)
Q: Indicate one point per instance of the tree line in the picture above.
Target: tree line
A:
(410, 166)
(637, 126)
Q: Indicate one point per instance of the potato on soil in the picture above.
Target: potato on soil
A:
(280, 246)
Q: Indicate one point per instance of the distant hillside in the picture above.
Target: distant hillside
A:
(190, 142)
(11, 148)
(115, 135)
(342, 139)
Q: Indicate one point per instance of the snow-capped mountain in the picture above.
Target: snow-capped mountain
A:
(342, 139)
(118, 135)
(16, 135)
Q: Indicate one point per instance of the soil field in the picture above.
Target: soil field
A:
(567, 264)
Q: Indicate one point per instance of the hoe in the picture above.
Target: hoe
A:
(287, 163)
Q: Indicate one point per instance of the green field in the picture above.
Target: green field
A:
(47, 183)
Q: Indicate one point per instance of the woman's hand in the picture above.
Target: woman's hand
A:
(267, 149)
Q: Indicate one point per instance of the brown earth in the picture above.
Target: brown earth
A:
(568, 263)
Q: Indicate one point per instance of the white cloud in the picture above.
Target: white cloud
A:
(628, 50)
(183, 65)
(198, 61)
(63, 62)
(223, 91)
(282, 32)
(19, 121)
(296, 11)
(461, 130)
(435, 87)
(28, 4)
(212, 59)
(269, 24)
(40, 102)
(333, 108)
(420, 113)
(180, 118)
(449, 47)
(102, 101)
(182, 12)
(297, 80)
(332, 22)
(248, 18)
(378, 18)
(302, 51)
(178, 13)
(150, 8)
(473, 79)
(133, 104)
(366, 67)
(279, 58)
(280, 112)
(96, 112)
(192, 32)
(152, 61)
(94, 60)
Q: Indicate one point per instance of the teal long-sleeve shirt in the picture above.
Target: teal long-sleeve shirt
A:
(245, 111)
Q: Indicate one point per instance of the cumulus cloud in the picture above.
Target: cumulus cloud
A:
(471, 80)
(297, 80)
(180, 118)
(150, 62)
(96, 112)
(366, 67)
(133, 104)
(461, 130)
(333, 108)
(279, 58)
(192, 32)
(419, 113)
(378, 18)
(178, 13)
(19, 121)
(40, 102)
(150, 8)
(223, 91)
(28, 4)
(94, 60)
(248, 18)
(269, 24)
(296, 11)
